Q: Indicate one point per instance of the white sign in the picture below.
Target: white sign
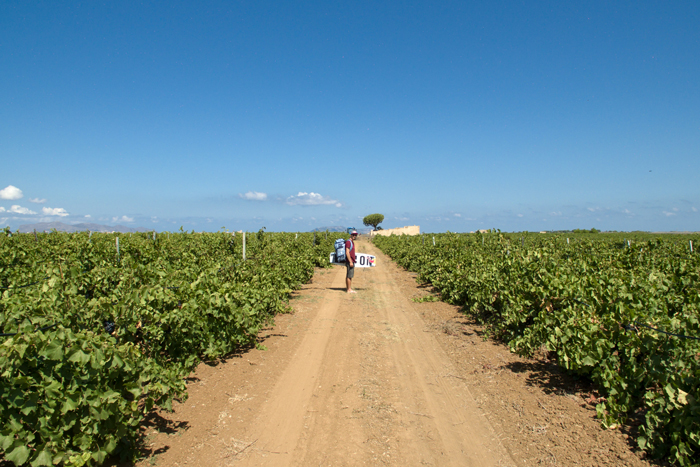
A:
(362, 260)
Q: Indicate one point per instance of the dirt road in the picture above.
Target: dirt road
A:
(375, 378)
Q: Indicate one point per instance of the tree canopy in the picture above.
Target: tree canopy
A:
(374, 220)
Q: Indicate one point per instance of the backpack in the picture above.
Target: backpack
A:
(340, 250)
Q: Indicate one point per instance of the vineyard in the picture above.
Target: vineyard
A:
(99, 329)
(620, 310)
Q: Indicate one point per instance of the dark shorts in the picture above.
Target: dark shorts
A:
(351, 270)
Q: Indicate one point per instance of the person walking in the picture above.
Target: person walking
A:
(350, 260)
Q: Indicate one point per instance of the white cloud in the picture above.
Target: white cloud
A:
(3, 220)
(555, 213)
(54, 212)
(37, 200)
(88, 215)
(11, 192)
(458, 215)
(520, 215)
(2, 209)
(253, 196)
(311, 199)
(20, 210)
(123, 219)
(666, 213)
(694, 209)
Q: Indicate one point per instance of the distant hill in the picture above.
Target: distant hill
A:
(335, 228)
(340, 228)
(61, 227)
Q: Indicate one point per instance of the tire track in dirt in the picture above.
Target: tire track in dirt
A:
(427, 379)
(281, 421)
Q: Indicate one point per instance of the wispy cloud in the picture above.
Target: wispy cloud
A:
(669, 214)
(123, 219)
(17, 209)
(457, 214)
(11, 192)
(311, 199)
(54, 211)
(253, 196)
(37, 200)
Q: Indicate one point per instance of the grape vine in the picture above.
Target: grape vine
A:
(94, 337)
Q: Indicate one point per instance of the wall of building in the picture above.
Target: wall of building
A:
(408, 230)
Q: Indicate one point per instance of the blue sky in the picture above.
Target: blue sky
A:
(517, 115)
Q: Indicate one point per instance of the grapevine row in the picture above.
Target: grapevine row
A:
(94, 337)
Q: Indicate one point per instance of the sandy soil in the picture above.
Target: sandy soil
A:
(375, 378)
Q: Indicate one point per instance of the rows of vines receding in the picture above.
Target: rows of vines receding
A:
(605, 306)
(93, 337)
